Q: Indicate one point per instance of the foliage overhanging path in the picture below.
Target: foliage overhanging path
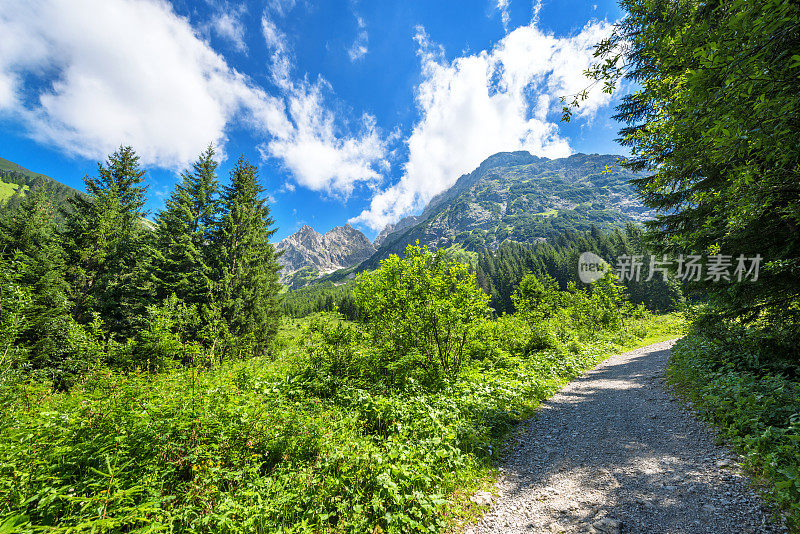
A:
(614, 451)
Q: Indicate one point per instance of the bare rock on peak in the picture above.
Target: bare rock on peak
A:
(339, 248)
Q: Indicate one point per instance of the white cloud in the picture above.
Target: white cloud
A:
(274, 38)
(281, 7)
(493, 101)
(502, 7)
(108, 72)
(88, 75)
(228, 25)
(359, 46)
(320, 159)
(313, 147)
(535, 10)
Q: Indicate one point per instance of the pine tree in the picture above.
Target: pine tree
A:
(246, 261)
(105, 236)
(715, 127)
(182, 259)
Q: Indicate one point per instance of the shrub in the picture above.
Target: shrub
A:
(168, 338)
(15, 300)
(536, 300)
(421, 311)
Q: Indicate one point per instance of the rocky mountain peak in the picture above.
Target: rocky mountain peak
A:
(307, 249)
(305, 231)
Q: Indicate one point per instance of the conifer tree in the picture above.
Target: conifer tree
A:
(182, 259)
(714, 126)
(30, 243)
(105, 237)
(246, 261)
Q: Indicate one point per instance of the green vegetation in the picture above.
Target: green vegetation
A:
(321, 297)
(714, 127)
(729, 373)
(499, 273)
(378, 426)
(421, 312)
(7, 190)
(102, 289)
(16, 181)
(716, 118)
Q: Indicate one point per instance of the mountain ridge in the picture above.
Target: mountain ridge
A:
(16, 181)
(519, 197)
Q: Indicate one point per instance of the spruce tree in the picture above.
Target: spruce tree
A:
(182, 259)
(105, 236)
(714, 126)
(246, 261)
(30, 243)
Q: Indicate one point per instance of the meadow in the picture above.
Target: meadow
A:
(319, 435)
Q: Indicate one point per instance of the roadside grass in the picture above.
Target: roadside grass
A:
(284, 443)
(755, 408)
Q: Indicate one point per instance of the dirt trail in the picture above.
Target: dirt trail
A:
(615, 452)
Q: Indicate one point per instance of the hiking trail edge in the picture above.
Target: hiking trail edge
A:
(615, 451)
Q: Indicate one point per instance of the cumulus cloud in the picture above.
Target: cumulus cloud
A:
(318, 158)
(503, 99)
(89, 75)
(359, 47)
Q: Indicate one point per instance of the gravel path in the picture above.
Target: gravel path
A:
(614, 452)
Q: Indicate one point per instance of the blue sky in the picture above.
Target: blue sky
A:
(353, 110)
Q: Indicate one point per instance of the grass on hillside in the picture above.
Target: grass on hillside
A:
(293, 442)
(7, 190)
(14, 167)
(548, 213)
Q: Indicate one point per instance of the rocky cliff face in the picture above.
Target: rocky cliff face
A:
(402, 224)
(309, 251)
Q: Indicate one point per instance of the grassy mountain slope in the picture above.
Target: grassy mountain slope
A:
(519, 197)
(6, 165)
(16, 181)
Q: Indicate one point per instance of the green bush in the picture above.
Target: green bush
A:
(421, 311)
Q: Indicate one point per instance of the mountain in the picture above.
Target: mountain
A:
(308, 254)
(16, 181)
(402, 224)
(519, 197)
